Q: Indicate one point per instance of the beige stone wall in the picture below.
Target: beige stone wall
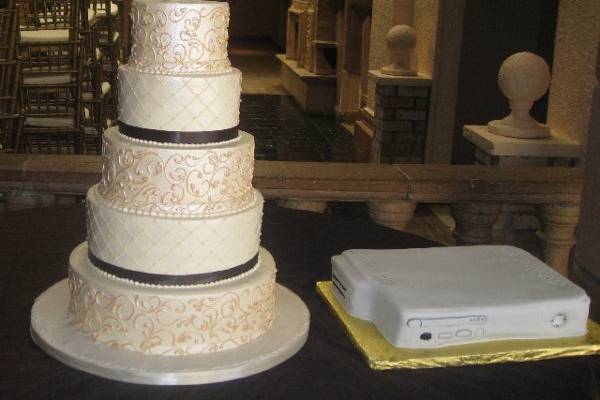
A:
(425, 20)
(382, 19)
(577, 35)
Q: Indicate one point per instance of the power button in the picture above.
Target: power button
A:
(558, 320)
(462, 333)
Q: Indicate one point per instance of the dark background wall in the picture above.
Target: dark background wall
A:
(493, 30)
(259, 19)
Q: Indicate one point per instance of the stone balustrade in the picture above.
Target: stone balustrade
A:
(475, 192)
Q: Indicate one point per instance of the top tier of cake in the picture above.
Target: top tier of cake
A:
(178, 37)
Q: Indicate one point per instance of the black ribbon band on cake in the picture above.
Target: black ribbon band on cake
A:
(199, 137)
(172, 280)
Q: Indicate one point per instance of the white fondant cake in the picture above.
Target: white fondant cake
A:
(172, 264)
(170, 321)
(180, 37)
(170, 179)
(179, 102)
(426, 298)
(172, 245)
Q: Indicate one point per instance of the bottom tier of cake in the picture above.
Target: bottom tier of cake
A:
(171, 320)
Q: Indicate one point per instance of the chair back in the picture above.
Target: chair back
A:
(50, 59)
(8, 33)
(50, 94)
(10, 119)
(36, 15)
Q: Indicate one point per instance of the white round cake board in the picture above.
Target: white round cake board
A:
(51, 332)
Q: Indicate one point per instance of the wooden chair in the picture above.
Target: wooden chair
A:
(109, 44)
(50, 96)
(95, 95)
(48, 20)
(95, 89)
(10, 119)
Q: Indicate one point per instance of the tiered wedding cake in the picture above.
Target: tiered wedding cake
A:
(172, 264)
(172, 286)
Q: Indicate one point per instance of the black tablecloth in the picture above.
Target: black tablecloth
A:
(34, 248)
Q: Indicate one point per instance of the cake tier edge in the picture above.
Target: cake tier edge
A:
(170, 321)
(161, 179)
(180, 37)
(172, 245)
(179, 103)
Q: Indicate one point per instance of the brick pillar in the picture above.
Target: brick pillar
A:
(401, 112)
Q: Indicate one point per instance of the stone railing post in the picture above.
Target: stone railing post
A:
(317, 206)
(518, 140)
(474, 222)
(401, 42)
(402, 103)
(557, 234)
(393, 214)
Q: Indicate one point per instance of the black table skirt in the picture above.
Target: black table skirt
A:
(34, 249)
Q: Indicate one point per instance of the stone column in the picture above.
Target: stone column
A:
(382, 19)
(403, 12)
(557, 234)
(304, 205)
(474, 222)
(393, 214)
(401, 112)
(519, 140)
(586, 268)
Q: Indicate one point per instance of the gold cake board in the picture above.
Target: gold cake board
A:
(381, 355)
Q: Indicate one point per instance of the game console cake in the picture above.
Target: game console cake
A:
(435, 297)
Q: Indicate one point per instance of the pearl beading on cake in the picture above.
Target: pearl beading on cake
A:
(149, 285)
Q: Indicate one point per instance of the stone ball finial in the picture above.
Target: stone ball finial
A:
(523, 78)
(401, 41)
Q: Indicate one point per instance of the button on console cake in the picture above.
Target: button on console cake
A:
(434, 297)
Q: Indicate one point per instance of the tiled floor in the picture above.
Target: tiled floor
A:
(283, 132)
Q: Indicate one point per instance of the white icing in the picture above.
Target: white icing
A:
(170, 321)
(172, 245)
(174, 181)
(458, 295)
(172, 37)
(185, 103)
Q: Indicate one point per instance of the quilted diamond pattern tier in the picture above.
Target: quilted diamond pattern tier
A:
(172, 245)
(187, 103)
(167, 179)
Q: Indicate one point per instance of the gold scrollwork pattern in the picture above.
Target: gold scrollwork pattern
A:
(154, 325)
(180, 38)
(177, 182)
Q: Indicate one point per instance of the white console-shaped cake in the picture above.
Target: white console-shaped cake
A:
(434, 297)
